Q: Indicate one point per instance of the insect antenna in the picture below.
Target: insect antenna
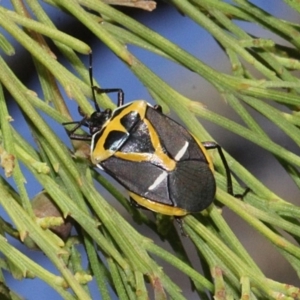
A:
(101, 91)
(97, 108)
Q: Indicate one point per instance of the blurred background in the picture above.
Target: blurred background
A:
(111, 73)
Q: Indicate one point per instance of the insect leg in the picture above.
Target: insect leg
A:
(71, 133)
(106, 91)
(158, 108)
(213, 145)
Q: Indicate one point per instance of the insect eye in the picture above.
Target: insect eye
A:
(108, 111)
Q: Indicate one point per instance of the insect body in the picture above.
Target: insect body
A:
(163, 166)
(156, 159)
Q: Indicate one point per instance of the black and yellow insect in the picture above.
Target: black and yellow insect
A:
(162, 165)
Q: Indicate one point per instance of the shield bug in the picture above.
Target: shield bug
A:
(162, 165)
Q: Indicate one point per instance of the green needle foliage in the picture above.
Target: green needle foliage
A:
(120, 258)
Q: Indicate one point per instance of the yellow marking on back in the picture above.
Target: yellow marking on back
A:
(159, 157)
(159, 207)
(205, 152)
(132, 156)
(99, 153)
